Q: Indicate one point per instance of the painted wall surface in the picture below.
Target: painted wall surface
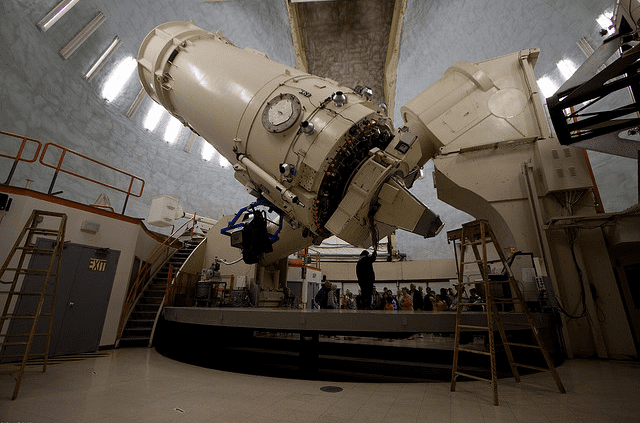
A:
(113, 234)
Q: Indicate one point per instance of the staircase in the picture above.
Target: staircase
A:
(138, 330)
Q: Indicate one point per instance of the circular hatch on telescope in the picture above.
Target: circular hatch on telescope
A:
(281, 113)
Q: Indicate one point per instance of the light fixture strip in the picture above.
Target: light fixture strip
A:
(56, 13)
(103, 58)
(136, 103)
(190, 142)
(82, 36)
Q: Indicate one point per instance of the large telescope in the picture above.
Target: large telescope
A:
(321, 153)
(326, 158)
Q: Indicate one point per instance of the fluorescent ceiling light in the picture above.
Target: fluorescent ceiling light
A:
(153, 117)
(82, 36)
(207, 151)
(55, 14)
(567, 68)
(172, 131)
(103, 58)
(136, 103)
(222, 161)
(547, 86)
(118, 78)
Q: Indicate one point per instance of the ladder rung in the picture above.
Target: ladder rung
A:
(473, 327)
(472, 376)
(481, 261)
(11, 344)
(526, 366)
(477, 242)
(516, 344)
(7, 335)
(23, 316)
(474, 351)
(30, 271)
(37, 250)
(43, 231)
(22, 355)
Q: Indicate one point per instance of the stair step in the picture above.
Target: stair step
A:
(143, 317)
(139, 325)
(137, 331)
(144, 311)
(145, 308)
(156, 287)
(134, 341)
(151, 300)
(159, 280)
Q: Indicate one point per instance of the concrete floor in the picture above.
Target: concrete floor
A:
(139, 385)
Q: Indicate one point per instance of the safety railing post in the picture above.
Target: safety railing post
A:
(57, 168)
(18, 158)
(126, 200)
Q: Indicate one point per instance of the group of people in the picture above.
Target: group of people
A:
(407, 299)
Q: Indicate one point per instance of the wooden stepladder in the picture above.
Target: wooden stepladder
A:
(475, 234)
(14, 346)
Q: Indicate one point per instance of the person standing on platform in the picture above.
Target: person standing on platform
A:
(323, 294)
(332, 299)
(406, 302)
(416, 295)
(366, 277)
(350, 302)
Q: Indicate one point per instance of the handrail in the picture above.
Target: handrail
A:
(58, 168)
(18, 157)
(137, 288)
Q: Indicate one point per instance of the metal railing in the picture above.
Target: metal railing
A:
(58, 168)
(145, 275)
(18, 157)
(133, 181)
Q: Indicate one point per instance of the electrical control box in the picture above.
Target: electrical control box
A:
(562, 167)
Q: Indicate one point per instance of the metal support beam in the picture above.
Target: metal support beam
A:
(296, 36)
(587, 87)
(393, 55)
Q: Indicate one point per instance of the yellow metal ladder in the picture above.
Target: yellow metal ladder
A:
(16, 266)
(479, 233)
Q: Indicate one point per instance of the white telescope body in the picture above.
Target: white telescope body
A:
(318, 151)
(322, 153)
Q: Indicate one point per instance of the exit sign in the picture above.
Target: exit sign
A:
(97, 265)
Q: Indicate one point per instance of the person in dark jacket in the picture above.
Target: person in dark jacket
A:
(418, 299)
(323, 294)
(366, 277)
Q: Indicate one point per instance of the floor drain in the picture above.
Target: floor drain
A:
(331, 389)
